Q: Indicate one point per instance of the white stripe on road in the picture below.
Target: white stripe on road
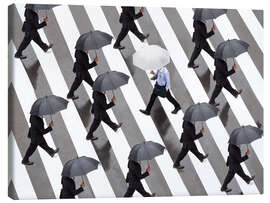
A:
(237, 105)
(135, 101)
(253, 25)
(204, 171)
(27, 97)
(71, 34)
(17, 172)
(100, 186)
(198, 95)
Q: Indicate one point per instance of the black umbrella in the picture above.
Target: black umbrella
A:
(93, 40)
(48, 105)
(110, 80)
(208, 13)
(245, 135)
(146, 151)
(231, 48)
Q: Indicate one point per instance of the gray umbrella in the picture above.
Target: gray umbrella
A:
(93, 40)
(41, 6)
(245, 135)
(231, 48)
(110, 80)
(79, 166)
(200, 112)
(48, 105)
(208, 13)
(145, 151)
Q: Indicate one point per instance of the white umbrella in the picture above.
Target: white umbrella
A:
(151, 57)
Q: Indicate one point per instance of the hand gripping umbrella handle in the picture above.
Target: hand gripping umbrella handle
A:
(148, 163)
(247, 147)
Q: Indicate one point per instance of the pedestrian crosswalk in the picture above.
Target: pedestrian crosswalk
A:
(112, 148)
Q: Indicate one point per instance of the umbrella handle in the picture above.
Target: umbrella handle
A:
(96, 54)
(213, 23)
(51, 118)
(113, 93)
(247, 147)
(233, 60)
(148, 163)
(82, 179)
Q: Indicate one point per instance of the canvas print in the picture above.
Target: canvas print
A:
(124, 101)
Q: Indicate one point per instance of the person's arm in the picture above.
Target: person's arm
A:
(238, 157)
(92, 65)
(73, 191)
(103, 104)
(138, 173)
(223, 70)
(30, 19)
(40, 128)
(192, 133)
(203, 32)
(133, 15)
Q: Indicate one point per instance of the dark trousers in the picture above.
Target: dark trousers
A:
(185, 149)
(239, 171)
(27, 39)
(124, 31)
(78, 81)
(139, 188)
(219, 85)
(32, 148)
(197, 50)
(168, 96)
(106, 119)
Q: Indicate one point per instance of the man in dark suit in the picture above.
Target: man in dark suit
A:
(81, 67)
(134, 177)
(200, 36)
(188, 137)
(69, 190)
(127, 18)
(220, 76)
(233, 162)
(30, 27)
(36, 133)
(99, 109)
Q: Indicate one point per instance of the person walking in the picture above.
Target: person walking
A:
(99, 109)
(234, 161)
(187, 138)
(162, 88)
(221, 75)
(127, 18)
(81, 67)
(36, 133)
(30, 27)
(134, 177)
(200, 36)
(69, 190)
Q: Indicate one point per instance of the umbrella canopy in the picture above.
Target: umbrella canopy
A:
(146, 151)
(151, 57)
(208, 13)
(245, 135)
(79, 166)
(41, 6)
(200, 112)
(93, 40)
(110, 80)
(48, 105)
(231, 48)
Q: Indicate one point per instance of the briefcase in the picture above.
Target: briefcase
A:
(160, 90)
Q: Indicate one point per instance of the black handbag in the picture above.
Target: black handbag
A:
(160, 90)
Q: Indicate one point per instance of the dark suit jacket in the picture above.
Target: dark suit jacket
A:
(235, 159)
(135, 175)
(68, 188)
(82, 65)
(37, 130)
(189, 134)
(221, 72)
(100, 105)
(31, 22)
(200, 33)
(128, 15)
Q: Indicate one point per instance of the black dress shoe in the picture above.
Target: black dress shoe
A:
(178, 166)
(72, 97)
(119, 126)
(20, 56)
(49, 47)
(225, 190)
(92, 138)
(118, 47)
(239, 92)
(205, 156)
(176, 110)
(214, 104)
(251, 179)
(194, 66)
(55, 152)
(27, 163)
(145, 37)
(145, 112)
(153, 195)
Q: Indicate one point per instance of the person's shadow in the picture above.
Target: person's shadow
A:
(32, 72)
(224, 114)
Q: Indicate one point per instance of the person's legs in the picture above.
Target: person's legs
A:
(93, 128)
(208, 49)
(121, 36)
(142, 191)
(177, 106)
(106, 119)
(88, 79)
(242, 174)
(48, 149)
(31, 149)
(196, 152)
(39, 42)
(26, 41)
(215, 93)
(228, 179)
(136, 32)
(151, 102)
(196, 52)
(77, 82)
(229, 88)
(181, 155)
(130, 191)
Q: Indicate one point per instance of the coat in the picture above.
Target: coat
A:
(82, 65)
(189, 134)
(68, 190)
(128, 15)
(221, 73)
(37, 130)
(235, 159)
(134, 174)
(31, 22)
(200, 33)
(100, 105)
